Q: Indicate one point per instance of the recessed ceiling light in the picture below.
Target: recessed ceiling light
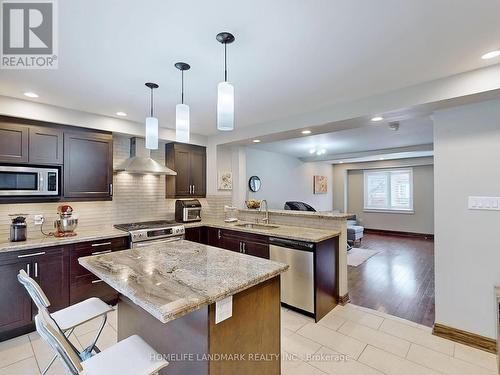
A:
(312, 150)
(30, 94)
(256, 141)
(305, 132)
(491, 55)
(377, 118)
(121, 114)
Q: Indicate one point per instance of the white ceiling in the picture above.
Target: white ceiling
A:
(290, 56)
(378, 136)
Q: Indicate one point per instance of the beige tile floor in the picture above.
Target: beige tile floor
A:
(350, 340)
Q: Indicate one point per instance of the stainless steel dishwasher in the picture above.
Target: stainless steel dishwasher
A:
(297, 284)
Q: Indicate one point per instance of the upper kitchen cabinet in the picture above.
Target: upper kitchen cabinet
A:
(45, 145)
(14, 141)
(23, 142)
(190, 163)
(88, 166)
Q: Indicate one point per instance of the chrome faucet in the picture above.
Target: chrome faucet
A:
(266, 217)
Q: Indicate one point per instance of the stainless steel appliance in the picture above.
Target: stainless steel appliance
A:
(297, 284)
(187, 210)
(28, 181)
(66, 223)
(153, 232)
(18, 228)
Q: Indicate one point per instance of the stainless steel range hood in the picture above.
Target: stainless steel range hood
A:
(140, 161)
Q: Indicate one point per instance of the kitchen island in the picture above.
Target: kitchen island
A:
(169, 294)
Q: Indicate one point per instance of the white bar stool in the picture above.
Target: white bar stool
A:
(70, 317)
(131, 356)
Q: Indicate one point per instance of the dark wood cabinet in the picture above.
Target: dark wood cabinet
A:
(194, 234)
(246, 243)
(45, 145)
(88, 166)
(51, 271)
(14, 141)
(15, 303)
(84, 284)
(58, 273)
(49, 268)
(190, 163)
(214, 237)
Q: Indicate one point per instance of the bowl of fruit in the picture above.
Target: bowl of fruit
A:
(253, 204)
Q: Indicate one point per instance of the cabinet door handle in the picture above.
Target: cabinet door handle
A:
(110, 189)
(36, 269)
(244, 248)
(96, 281)
(28, 269)
(101, 252)
(31, 255)
(193, 189)
(240, 247)
(101, 244)
(218, 234)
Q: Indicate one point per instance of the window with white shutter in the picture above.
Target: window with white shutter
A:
(388, 190)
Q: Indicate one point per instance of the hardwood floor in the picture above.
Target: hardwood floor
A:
(399, 280)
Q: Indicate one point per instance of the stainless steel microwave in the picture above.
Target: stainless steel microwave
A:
(28, 181)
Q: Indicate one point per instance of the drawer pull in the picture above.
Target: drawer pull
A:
(101, 244)
(101, 252)
(31, 255)
(96, 281)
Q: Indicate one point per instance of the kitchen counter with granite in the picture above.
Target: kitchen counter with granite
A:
(281, 231)
(311, 214)
(172, 279)
(84, 234)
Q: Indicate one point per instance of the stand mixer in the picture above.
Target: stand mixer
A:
(66, 224)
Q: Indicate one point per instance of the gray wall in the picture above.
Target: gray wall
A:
(421, 221)
(348, 195)
(467, 252)
(286, 178)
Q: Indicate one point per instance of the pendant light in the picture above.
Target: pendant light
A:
(182, 110)
(225, 91)
(152, 123)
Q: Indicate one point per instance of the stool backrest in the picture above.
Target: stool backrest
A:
(36, 293)
(47, 328)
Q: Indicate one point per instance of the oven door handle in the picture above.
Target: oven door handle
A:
(137, 245)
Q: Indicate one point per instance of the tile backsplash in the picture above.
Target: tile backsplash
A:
(135, 198)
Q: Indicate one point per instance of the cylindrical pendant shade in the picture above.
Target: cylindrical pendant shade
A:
(225, 106)
(182, 123)
(152, 133)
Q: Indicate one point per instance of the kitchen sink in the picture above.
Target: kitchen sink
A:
(257, 226)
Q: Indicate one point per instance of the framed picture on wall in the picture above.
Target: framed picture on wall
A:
(225, 181)
(320, 185)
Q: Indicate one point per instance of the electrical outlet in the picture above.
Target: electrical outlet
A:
(38, 219)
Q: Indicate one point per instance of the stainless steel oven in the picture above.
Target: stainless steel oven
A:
(28, 181)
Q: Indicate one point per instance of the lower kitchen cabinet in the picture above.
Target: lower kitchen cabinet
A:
(15, 303)
(246, 243)
(84, 284)
(60, 276)
(49, 267)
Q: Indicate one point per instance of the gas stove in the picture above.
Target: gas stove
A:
(148, 232)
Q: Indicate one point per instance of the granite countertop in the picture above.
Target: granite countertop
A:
(83, 234)
(283, 231)
(318, 215)
(172, 279)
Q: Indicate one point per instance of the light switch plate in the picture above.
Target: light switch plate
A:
(484, 203)
(223, 309)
